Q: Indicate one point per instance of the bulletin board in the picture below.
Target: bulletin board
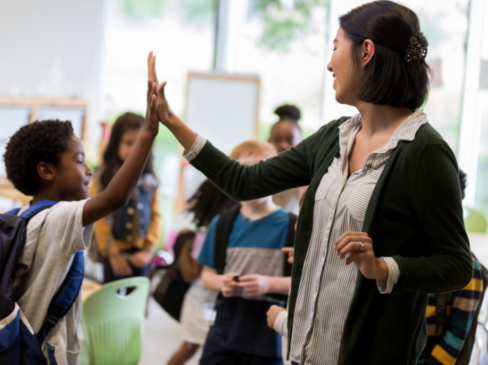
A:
(16, 112)
(224, 109)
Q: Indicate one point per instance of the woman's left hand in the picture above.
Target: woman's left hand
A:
(359, 247)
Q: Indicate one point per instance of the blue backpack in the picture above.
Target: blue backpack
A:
(18, 345)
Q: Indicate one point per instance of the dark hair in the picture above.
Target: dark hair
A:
(111, 159)
(288, 112)
(389, 79)
(463, 179)
(208, 202)
(34, 143)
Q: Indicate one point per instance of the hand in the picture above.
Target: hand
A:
(272, 314)
(164, 110)
(291, 253)
(370, 266)
(228, 284)
(254, 284)
(151, 123)
(151, 68)
(120, 266)
(140, 259)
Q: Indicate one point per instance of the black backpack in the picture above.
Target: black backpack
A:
(223, 230)
(442, 300)
(18, 345)
(171, 290)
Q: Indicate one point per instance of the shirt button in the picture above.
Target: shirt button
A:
(130, 211)
(129, 225)
(140, 206)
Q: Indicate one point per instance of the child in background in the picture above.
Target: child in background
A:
(285, 134)
(45, 160)
(239, 334)
(198, 311)
(127, 238)
(277, 317)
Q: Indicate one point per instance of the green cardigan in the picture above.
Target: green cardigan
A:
(415, 216)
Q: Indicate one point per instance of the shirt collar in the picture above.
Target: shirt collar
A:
(406, 131)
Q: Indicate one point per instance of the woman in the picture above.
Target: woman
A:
(384, 195)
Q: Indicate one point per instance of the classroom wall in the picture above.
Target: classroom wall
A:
(53, 48)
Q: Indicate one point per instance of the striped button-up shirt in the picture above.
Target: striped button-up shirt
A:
(327, 284)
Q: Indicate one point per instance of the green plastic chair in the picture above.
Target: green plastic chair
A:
(475, 221)
(113, 324)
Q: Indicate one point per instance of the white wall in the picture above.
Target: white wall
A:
(53, 48)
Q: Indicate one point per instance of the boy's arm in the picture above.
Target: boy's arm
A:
(260, 284)
(119, 190)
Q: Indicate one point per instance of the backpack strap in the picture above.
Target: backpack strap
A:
(223, 229)
(63, 301)
(290, 241)
(36, 208)
(441, 301)
(13, 211)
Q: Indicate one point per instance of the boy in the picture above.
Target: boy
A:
(47, 161)
(253, 268)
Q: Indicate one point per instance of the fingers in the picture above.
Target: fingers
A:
(247, 278)
(348, 237)
(151, 67)
(353, 248)
(288, 250)
(160, 91)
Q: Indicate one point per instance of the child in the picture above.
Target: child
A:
(277, 316)
(127, 238)
(47, 161)
(198, 312)
(253, 268)
(286, 133)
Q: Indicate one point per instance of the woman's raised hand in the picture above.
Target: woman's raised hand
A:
(183, 134)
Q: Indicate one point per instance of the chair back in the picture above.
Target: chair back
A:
(113, 323)
(475, 221)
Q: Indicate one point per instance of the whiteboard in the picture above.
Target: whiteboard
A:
(223, 108)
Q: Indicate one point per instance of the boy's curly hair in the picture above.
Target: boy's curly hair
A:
(43, 141)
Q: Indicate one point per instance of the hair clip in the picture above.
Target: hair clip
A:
(415, 51)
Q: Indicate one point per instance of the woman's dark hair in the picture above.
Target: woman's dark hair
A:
(288, 112)
(463, 179)
(111, 160)
(389, 79)
(208, 202)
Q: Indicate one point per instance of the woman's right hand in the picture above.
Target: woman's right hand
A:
(120, 266)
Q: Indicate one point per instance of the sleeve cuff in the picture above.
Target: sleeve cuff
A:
(280, 324)
(386, 287)
(195, 149)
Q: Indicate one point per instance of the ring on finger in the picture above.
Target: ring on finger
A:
(361, 246)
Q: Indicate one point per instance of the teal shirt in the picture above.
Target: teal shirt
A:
(414, 215)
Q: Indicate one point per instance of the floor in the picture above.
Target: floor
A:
(162, 336)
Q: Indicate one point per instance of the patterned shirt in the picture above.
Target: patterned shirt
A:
(327, 284)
